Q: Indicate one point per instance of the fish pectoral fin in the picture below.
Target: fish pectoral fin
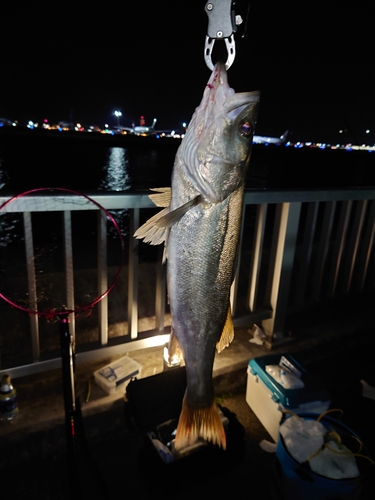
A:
(173, 216)
(152, 233)
(162, 196)
(155, 231)
(227, 334)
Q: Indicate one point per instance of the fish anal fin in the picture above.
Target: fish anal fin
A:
(196, 423)
(175, 355)
(227, 335)
(162, 196)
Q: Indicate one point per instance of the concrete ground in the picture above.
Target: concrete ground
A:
(116, 458)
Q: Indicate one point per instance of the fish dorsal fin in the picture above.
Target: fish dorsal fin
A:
(155, 230)
(162, 196)
(227, 335)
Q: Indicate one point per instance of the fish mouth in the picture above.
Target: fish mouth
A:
(239, 102)
(233, 100)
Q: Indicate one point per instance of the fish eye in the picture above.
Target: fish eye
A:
(245, 128)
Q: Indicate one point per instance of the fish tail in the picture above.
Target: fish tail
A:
(197, 423)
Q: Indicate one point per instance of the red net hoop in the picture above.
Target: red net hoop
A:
(63, 312)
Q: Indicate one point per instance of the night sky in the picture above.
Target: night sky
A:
(312, 61)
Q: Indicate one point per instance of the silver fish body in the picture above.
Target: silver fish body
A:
(200, 228)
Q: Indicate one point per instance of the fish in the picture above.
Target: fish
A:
(199, 225)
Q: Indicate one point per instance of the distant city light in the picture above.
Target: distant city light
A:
(118, 114)
(365, 145)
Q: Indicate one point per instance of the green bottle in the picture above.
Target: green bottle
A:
(8, 399)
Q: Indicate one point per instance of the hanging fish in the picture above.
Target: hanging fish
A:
(200, 226)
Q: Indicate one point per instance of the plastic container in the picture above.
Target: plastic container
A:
(268, 399)
(117, 374)
(300, 483)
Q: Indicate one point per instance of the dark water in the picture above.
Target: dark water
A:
(29, 162)
(89, 164)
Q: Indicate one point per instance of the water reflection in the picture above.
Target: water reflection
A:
(7, 223)
(10, 229)
(3, 176)
(116, 171)
(117, 178)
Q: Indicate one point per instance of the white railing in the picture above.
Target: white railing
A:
(297, 248)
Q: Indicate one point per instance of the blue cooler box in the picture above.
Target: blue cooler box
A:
(267, 398)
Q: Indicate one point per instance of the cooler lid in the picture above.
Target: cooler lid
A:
(288, 398)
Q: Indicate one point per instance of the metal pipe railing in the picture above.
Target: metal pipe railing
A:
(326, 252)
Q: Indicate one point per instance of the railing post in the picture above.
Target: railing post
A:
(367, 247)
(102, 277)
(257, 256)
(305, 253)
(325, 237)
(359, 217)
(69, 276)
(31, 282)
(160, 291)
(282, 255)
(133, 275)
(339, 247)
(234, 287)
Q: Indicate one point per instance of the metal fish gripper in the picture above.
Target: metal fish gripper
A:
(222, 24)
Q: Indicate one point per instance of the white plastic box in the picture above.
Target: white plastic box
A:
(267, 398)
(117, 374)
